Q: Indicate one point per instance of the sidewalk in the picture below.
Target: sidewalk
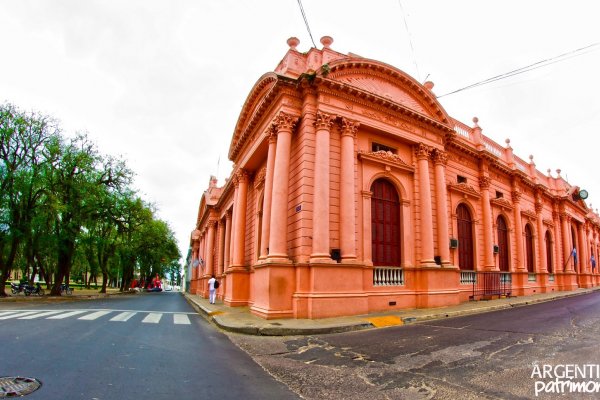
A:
(240, 320)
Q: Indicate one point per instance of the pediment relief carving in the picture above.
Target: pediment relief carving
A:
(385, 89)
(386, 158)
(502, 203)
(530, 214)
(465, 188)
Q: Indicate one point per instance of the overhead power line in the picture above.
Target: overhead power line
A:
(412, 49)
(531, 67)
(306, 23)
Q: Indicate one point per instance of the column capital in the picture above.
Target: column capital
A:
(349, 127)
(439, 157)
(485, 182)
(324, 120)
(241, 176)
(516, 196)
(211, 224)
(284, 122)
(539, 207)
(422, 151)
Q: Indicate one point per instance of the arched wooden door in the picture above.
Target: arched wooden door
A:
(385, 224)
(465, 238)
(503, 250)
(529, 248)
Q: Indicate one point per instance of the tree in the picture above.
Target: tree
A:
(23, 142)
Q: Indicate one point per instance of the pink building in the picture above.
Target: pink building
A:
(353, 191)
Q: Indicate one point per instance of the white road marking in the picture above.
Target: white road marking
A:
(42, 314)
(18, 314)
(95, 315)
(124, 316)
(152, 318)
(181, 319)
(67, 315)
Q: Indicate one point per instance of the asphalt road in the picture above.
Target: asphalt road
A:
(142, 346)
(485, 356)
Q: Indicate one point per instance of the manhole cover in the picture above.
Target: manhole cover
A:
(13, 386)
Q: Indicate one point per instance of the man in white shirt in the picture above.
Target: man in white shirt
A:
(211, 290)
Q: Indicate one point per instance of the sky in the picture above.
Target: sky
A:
(161, 83)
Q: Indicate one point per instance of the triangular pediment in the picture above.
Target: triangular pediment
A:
(390, 83)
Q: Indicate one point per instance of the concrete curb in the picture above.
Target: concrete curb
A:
(224, 322)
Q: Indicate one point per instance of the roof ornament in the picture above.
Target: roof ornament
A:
(293, 42)
(475, 122)
(326, 41)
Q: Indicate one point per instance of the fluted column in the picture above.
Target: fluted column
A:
(279, 208)
(566, 235)
(426, 234)
(582, 249)
(488, 235)
(227, 251)
(320, 234)
(210, 245)
(347, 188)
(268, 196)
(440, 159)
(367, 226)
(558, 261)
(541, 253)
(239, 230)
(221, 257)
(516, 197)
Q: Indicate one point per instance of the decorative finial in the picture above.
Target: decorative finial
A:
(558, 172)
(429, 85)
(293, 42)
(326, 41)
(475, 121)
(549, 172)
(531, 158)
(507, 141)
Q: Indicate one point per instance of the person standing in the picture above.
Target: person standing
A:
(212, 291)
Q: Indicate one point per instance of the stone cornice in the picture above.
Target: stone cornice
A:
(464, 188)
(502, 203)
(386, 158)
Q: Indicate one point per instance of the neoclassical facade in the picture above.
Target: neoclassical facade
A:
(353, 191)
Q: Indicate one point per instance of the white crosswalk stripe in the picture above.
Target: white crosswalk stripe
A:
(124, 316)
(38, 315)
(181, 319)
(67, 315)
(19, 314)
(152, 318)
(93, 316)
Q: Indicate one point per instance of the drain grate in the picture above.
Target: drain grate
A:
(14, 386)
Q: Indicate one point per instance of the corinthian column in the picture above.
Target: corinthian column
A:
(210, 245)
(540, 238)
(440, 159)
(425, 205)
(320, 240)
(239, 229)
(278, 220)
(268, 197)
(347, 206)
(516, 197)
(488, 236)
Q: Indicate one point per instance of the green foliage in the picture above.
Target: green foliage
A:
(64, 208)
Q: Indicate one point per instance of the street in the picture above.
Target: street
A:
(148, 345)
(485, 356)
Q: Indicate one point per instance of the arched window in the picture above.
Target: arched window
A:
(465, 238)
(385, 224)
(529, 248)
(503, 251)
(549, 258)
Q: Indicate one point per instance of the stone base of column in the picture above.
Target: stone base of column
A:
(519, 283)
(434, 286)
(237, 287)
(567, 281)
(273, 286)
(585, 280)
(322, 259)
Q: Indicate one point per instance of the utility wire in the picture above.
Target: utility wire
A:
(530, 67)
(412, 49)
(306, 23)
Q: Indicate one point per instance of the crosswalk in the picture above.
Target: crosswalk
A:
(147, 317)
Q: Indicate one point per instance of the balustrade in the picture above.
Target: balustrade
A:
(388, 277)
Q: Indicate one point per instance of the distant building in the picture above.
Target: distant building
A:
(353, 191)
